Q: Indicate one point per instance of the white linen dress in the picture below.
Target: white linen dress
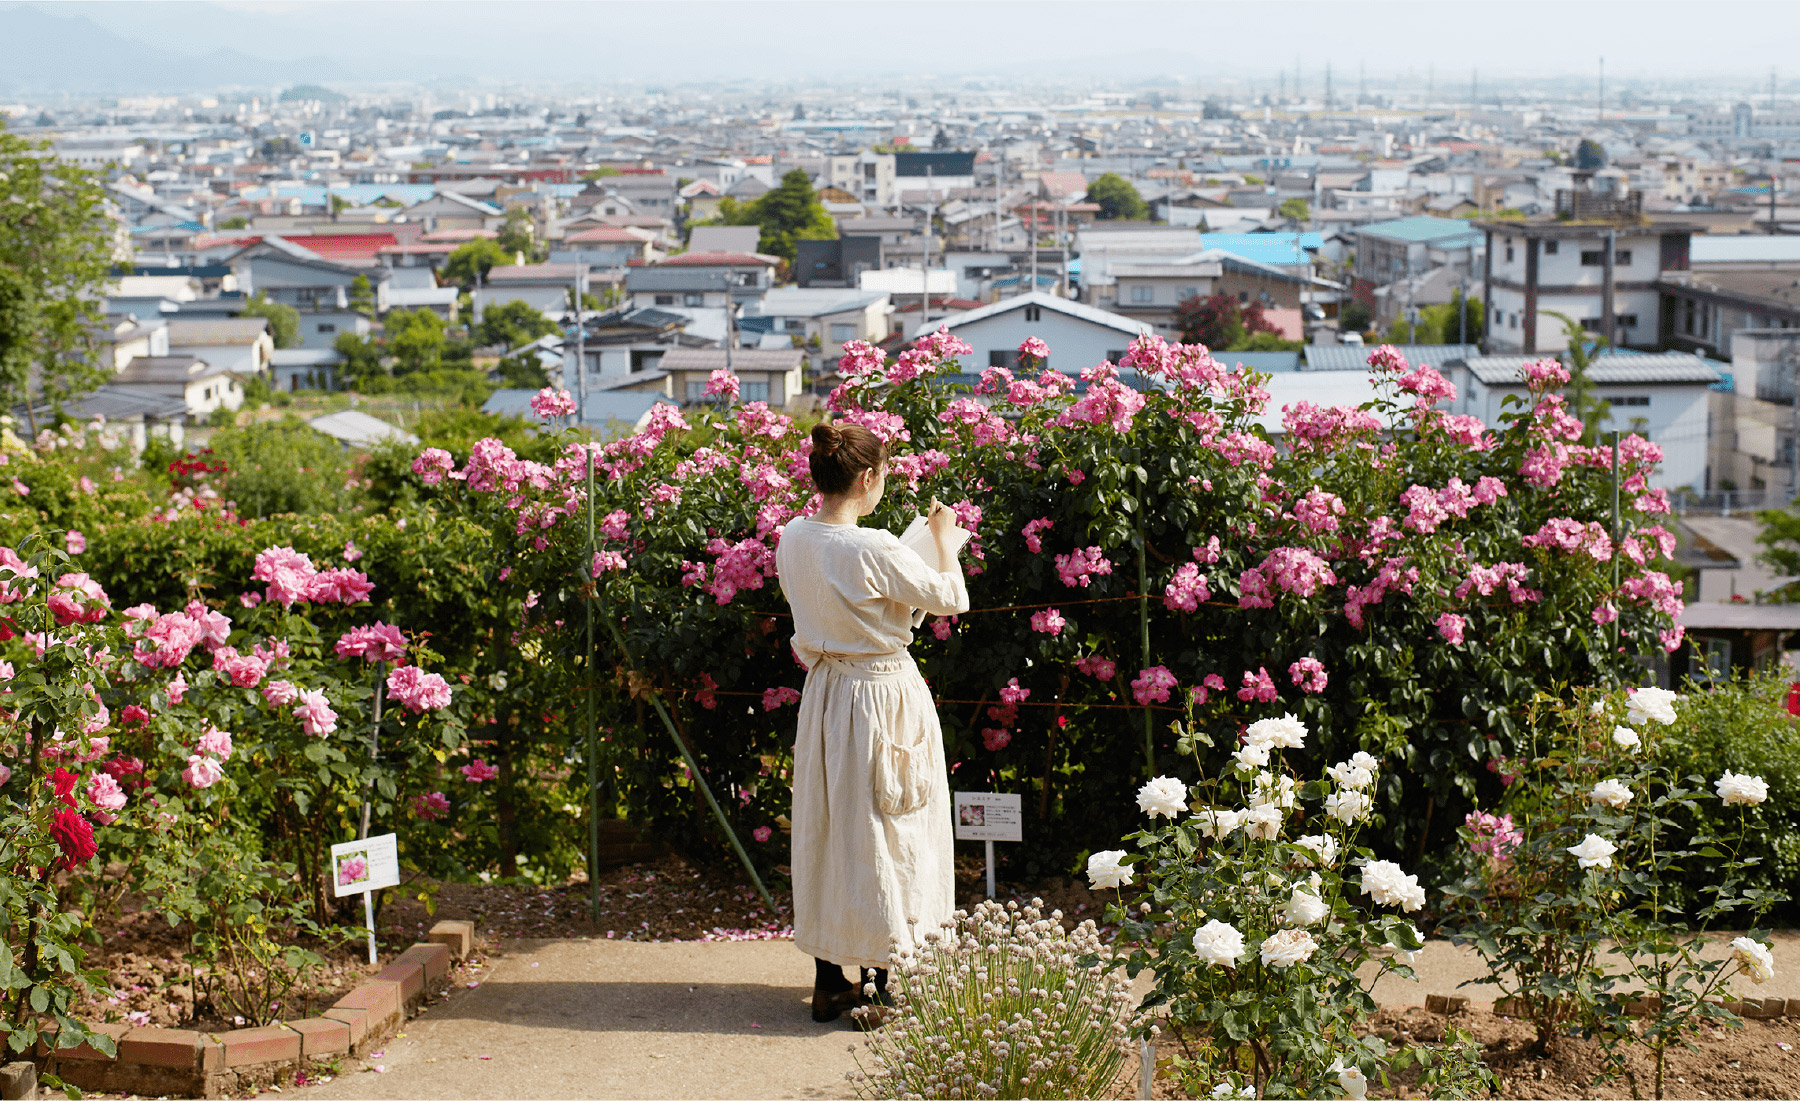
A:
(872, 840)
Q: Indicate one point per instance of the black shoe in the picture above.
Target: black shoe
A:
(829, 1005)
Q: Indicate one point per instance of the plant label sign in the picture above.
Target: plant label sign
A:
(366, 865)
(989, 816)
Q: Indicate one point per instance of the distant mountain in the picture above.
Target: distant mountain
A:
(41, 51)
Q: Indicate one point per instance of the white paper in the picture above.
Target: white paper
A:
(989, 816)
(379, 867)
(917, 538)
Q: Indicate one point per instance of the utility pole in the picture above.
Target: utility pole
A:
(1600, 108)
(580, 354)
(1328, 86)
(925, 263)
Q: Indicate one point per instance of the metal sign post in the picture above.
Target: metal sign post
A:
(989, 816)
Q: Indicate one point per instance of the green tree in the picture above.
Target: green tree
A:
(362, 356)
(339, 202)
(415, 338)
(1590, 155)
(470, 261)
(791, 212)
(1439, 325)
(236, 221)
(600, 173)
(362, 296)
(284, 321)
(1118, 199)
(55, 263)
(511, 324)
(518, 234)
(1295, 209)
(1354, 318)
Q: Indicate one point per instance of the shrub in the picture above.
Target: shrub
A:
(1002, 1002)
(282, 467)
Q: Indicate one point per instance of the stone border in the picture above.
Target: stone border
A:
(1636, 1005)
(184, 1063)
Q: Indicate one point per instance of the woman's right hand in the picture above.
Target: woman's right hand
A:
(942, 518)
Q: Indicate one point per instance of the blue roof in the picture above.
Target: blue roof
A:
(1422, 228)
(1278, 249)
(1268, 363)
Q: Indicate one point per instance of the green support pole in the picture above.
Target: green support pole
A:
(1615, 529)
(593, 735)
(1144, 639)
(694, 771)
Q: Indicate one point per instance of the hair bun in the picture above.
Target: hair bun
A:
(826, 439)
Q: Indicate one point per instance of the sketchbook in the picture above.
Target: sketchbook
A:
(917, 537)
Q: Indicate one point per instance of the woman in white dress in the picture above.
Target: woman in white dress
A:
(872, 836)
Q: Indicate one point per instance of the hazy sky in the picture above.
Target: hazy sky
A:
(683, 40)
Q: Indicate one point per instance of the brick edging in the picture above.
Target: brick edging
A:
(186, 1063)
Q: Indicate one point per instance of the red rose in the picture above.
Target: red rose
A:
(63, 782)
(133, 715)
(74, 837)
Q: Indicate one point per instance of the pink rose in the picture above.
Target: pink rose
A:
(478, 771)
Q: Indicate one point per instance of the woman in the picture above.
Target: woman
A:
(872, 848)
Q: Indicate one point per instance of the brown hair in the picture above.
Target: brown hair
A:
(840, 453)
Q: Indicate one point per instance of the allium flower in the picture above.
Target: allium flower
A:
(430, 807)
(1741, 790)
(1106, 870)
(315, 714)
(1646, 704)
(1323, 845)
(1219, 943)
(1286, 732)
(1348, 807)
(1611, 792)
(202, 772)
(1754, 958)
(1388, 885)
(478, 771)
(1593, 852)
(1049, 621)
(1163, 797)
(1304, 908)
(1288, 947)
(1626, 738)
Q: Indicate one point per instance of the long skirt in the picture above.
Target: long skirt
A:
(873, 849)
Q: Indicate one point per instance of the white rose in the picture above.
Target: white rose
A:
(1594, 851)
(1163, 797)
(1388, 885)
(1225, 1091)
(1288, 947)
(1286, 732)
(1213, 822)
(1351, 1080)
(1626, 738)
(1272, 789)
(1611, 792)
(1755, 958)
(1304, 909)
(1351, 776)
(1253, 755)
(1359, 759)
(1105, 871)
(1219, 942)
(1323, 845)
(1647, 704)
(1263, 823)
(1742, 790)
(1348, 806)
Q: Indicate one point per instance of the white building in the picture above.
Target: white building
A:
(1079, 335)
(1663, 397)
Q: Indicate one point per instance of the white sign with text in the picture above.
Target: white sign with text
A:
(366, 865)
(989, 816)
